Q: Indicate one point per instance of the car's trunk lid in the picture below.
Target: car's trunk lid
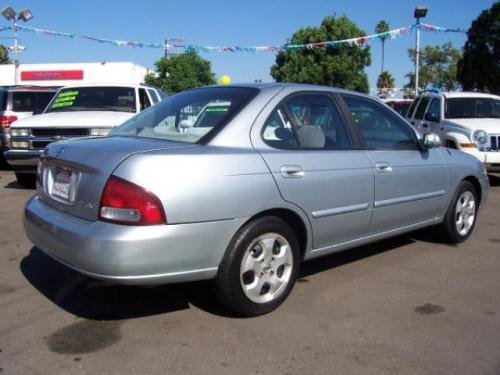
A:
(75, 172)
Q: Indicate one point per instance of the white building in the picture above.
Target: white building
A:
(62, 74)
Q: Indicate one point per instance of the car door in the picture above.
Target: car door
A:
(313, 159)
(409, 183)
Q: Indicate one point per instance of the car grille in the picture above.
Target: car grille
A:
(495, 142)
(54, 132)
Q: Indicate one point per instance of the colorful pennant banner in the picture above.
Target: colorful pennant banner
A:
(359, 41)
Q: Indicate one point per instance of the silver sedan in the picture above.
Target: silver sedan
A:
(241, 184)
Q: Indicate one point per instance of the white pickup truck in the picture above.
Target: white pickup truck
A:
(466, 121)
(75, 111)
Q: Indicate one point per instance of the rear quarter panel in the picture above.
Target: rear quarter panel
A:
(206, 183)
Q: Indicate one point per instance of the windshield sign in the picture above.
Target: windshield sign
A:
(116, 99)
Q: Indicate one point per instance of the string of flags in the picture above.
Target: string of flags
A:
(359, 41)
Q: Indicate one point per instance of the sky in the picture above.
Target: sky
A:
(218, 23)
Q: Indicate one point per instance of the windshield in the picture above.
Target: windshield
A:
(191, 116)
(117, 99)
(472, 108)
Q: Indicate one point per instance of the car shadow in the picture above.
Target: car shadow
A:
(98, 300)
(494, 180)
(17, 186)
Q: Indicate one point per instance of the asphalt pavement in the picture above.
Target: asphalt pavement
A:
(408, 305)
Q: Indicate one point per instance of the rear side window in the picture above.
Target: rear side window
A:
(419, 113)
(412, 108)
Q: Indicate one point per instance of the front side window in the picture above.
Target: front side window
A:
(193, 116)
(435, 108)
(472, 108)
(379, 126)
(307, 121)
(143, 99)
(94, 98)
(153, 96)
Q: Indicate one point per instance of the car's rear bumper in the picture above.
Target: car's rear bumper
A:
(23, 158)
(141, 255)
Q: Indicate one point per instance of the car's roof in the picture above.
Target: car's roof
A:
(29, 88)
(106, 84)
(469, 94)
(460, 94)
(290, 86)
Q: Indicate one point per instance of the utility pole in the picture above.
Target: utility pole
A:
(420, 12)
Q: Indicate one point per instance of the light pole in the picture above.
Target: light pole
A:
(420, 12)
(11, 15)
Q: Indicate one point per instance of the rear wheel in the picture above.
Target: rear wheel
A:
(26, 180)
(461, 215)
(259, 268)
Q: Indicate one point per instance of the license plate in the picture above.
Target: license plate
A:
(63, 181)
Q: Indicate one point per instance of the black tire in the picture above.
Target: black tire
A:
(448, 230)
(26, 180)
(229, 281)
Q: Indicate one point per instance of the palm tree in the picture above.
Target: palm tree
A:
(382, 27)
(385, 83)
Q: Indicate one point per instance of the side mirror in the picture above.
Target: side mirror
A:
(430, 140)
(431, 117)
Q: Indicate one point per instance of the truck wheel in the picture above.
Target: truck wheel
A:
(26, 180)
(461, 215)
(259, 268)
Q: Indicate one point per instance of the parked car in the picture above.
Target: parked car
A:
(75, 111)
(18, 102)
(290, 172)
(399, 105)
(466, 121)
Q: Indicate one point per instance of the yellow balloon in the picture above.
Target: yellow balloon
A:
(225, 80)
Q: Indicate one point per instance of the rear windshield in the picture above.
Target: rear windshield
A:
(31, 101)
(472, 108)
(116, 99)
(192, 116)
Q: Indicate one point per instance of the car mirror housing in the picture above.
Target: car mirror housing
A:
(429, 140)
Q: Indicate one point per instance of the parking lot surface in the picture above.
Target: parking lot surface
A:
(407, 305)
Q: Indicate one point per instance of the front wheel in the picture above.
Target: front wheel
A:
(259, 268)
(461, 215)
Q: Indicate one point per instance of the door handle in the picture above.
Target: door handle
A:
(383, 167)
(292, 171)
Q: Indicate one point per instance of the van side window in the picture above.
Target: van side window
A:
(153, 96)
(143, 99)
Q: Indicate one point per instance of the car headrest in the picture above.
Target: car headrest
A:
(311, 136)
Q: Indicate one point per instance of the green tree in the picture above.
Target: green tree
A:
(385, 83)
(479, 67)
(181, 72)
(438, 67)
(342, 65)
(382, 27)
(4, 55)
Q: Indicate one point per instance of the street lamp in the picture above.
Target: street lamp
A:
(11, 15)
(420, 12)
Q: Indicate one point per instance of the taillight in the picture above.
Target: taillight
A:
(123, 202)
(5, 121)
